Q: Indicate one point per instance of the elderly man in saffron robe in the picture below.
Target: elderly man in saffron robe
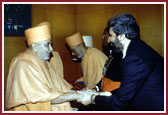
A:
(35, 81)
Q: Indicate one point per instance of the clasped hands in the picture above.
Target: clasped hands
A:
(87, 96)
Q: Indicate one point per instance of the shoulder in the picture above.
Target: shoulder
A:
(27, 56)
(24, 60)
(56, 60)
(133, 64)
(21, 58)
(94, 52)
(22, 63)
(138, 48)
(132, 60)
(56, 54)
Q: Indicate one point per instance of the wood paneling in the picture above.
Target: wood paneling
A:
(12, 46)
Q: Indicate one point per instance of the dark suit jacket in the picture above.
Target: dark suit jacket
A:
(142, 81)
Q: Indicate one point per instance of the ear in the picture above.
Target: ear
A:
(121, 37)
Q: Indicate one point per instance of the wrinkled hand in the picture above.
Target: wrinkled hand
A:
(86, 96)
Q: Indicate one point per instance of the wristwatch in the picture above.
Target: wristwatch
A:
(93, 99)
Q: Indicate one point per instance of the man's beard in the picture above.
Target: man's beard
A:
(114, 70)
(116, 45)
(116, 48)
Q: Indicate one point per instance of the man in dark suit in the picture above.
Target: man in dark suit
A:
(141, 71)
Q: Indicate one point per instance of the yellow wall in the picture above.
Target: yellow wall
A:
(89, 20)
(92, 19)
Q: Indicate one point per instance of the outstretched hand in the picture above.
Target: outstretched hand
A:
(88, 96)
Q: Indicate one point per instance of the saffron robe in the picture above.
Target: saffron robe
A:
(92, 66)
(33, 83)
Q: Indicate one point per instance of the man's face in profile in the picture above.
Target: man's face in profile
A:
(75, 55)
(43, 50)
(114, 42)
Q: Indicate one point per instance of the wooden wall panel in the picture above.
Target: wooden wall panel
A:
(12, 46)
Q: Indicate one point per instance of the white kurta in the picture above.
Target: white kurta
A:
(32, 83)
(92, 66)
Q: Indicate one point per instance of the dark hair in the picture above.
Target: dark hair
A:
(125, 24)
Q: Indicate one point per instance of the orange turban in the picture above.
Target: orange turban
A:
(39, 33)
(74, 40)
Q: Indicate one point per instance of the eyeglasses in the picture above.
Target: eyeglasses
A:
(106, 36)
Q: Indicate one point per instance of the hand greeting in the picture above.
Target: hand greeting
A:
(88, 95)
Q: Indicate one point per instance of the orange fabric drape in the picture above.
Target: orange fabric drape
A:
(109, 85)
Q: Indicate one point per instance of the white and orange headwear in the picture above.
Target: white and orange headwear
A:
(39, 33)
(74, 40)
